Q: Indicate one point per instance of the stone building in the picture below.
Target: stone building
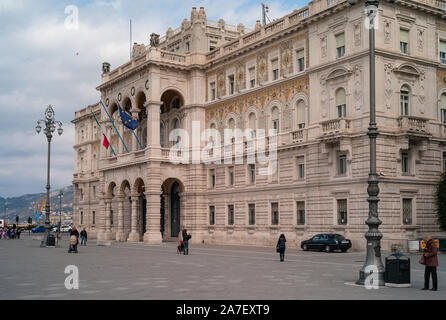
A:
(305, 75)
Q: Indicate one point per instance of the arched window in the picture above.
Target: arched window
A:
(300, 110)
(212, 138)
(275, 119)
(176, 125)
(162, 141)
(231, 125)
(405, 100)
(443, 108)
(341, 103)
(252, 124)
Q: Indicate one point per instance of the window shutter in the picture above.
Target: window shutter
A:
(340, 40)
(252, 121)
(443, 101)
(442, 46)
(404, 36)
(340, 97)
(300, 54)
(275, 114)
(275, 64)
(300, 112)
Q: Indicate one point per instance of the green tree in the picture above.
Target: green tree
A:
(440, 201)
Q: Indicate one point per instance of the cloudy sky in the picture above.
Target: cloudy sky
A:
(43, 62)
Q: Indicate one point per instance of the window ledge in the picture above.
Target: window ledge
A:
(410, 227)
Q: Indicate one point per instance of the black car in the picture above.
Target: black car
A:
(326, 242)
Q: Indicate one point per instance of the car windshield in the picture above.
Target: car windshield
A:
(338, 237)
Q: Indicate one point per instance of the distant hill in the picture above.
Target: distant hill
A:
(23, 206)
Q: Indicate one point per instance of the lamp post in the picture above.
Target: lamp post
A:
(373, 236)
(50, 126)
(60, 195)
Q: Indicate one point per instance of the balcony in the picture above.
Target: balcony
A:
(414, 125)
(336, 126)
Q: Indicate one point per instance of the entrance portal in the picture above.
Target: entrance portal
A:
(142, 210)
(175, 210)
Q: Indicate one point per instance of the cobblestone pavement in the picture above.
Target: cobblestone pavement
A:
(139, 271)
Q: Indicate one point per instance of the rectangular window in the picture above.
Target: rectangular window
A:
(300, 212)
(443, 51)
(212, 91)
(231, 84)
(111, 216)
(407, 211)
(443, 115)
(252, 173)
(342, 111)
(300, 54)
(342, 164)
(405, 162)
(231, 176)
(405, 103)
(94, 192)
(187, 47)
(212, 177)
(252, 214)
(82, 217)
(93, 218)
(404, 41)
(211, 215)
(300, 168)
(342, 211)
(252, 77)
(275, 68)
(231, 214)
(444, 161)
(274, 213)
(340, 45)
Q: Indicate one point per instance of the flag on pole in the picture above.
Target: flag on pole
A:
(106, 144)
(127, 120)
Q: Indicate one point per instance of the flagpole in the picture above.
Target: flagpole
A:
(111, 120)
(119, 105)
(103, 132)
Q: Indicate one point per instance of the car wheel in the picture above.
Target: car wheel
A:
(305, 247)
(344, 250)
(327, 248)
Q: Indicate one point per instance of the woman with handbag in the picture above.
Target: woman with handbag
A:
(280, 248)
(430, 260)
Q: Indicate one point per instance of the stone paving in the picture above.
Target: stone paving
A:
(139, 271)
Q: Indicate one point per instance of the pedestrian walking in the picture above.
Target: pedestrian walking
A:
(186, 238)
(430, 260)
(74, 240)
(19, 231)
(280, 247)
(83, 237)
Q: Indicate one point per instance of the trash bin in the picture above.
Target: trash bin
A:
(397, 270)
(51, 241)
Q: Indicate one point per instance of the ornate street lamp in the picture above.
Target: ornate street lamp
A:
(50, 126)
(373, 262)
(60, 195)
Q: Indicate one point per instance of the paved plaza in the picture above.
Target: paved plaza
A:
(139, 271)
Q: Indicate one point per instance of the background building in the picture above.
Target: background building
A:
(305, 75)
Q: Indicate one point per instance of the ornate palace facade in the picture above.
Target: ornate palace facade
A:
(305, 75)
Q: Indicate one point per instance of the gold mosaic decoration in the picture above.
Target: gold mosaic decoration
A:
(284, 92)
(221, 83)
(241, 75)
(262, 67)
(286, 58)
(441, 79)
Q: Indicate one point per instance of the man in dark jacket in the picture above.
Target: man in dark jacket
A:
(431, 259)
(83, 237)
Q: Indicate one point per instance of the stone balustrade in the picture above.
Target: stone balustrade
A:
(411, 123)
(335, 126)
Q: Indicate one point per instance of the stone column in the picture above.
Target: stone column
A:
(120, 236)
(108, 233)
(153, 232)
(134, 235)
(135, 144)
(101, 219)
(153, 127)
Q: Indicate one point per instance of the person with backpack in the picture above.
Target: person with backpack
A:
(74, 240)
(280, 247)
(186, 238)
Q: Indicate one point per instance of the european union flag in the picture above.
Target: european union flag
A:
(127, 120)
